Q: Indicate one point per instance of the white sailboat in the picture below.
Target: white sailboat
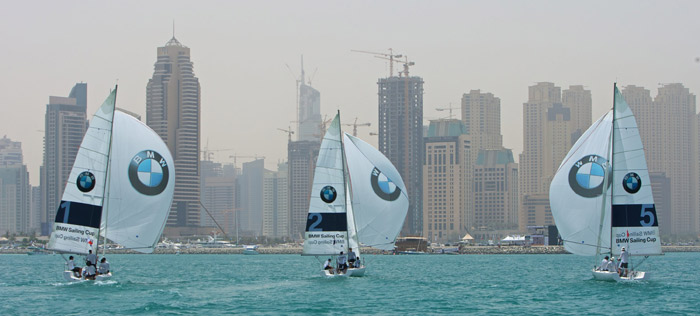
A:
(601, 196)
(357, 198)
(120, 188)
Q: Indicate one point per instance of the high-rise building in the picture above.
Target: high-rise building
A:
(481, 114)
(250, 185)
(64, 127)
(401, 139)
(496, 190)
(661, 190)
(301, 157)
(15, 191)
(309, 115)
(447, 180)
(275, 209)
(218, 195)
(550, 128)
(173, 111)
(668, 128)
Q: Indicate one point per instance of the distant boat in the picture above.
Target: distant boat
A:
(357, 198)
(250, 249)
(33, 250)
(120, 188)
(601, 196)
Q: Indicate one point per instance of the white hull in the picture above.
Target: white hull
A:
(250, 252)
(357, 272)
(328, 274)
(70, 276)
(613, 276)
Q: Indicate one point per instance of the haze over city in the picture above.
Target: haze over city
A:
(241, 51)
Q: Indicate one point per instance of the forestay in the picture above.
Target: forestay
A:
(634, 221)
(326, 225)
(379, 198)
(78, 217)
(141, 186)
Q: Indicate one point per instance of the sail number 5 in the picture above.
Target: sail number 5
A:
(646, 212)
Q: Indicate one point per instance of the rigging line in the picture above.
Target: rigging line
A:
(590, 245)
(215, 222)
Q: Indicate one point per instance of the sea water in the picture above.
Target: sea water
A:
(397, 285)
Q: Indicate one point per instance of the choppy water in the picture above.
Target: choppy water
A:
(290, 284)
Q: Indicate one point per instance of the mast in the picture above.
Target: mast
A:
(612, 149)
(345, 178)
(606, 178)
(107, 176)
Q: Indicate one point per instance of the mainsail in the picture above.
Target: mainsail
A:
(379, 198)
(79, 214)
(326, 225)
(634, 221)
(141, 185)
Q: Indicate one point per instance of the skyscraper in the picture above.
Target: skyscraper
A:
(15, 191)
(275, 221)
(668, 128)
(309, 112)
(481, 114)
(250, 185)
(401, 138)
(173, 111)
(64, 127)
(447, 182)
(302, 161)
(550, 128)
(496, 190)
(218, 194)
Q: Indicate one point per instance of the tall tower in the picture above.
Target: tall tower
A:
(15, 191)
(401, 139)
(173, 111)
(481, 114)
(668, 128)
(309, 115)
(64, 126)
(302, 157)
(579, 101)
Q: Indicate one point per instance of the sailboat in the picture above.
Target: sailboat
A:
(120, 188)
(357, 198)
(601, 196)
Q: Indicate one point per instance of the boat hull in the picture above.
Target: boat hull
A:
(329, 275)
(70, 276)
(356, 272)
(613, 276)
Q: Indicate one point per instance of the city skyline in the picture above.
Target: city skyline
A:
(242, 48)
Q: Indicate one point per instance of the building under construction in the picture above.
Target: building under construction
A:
(401, 138)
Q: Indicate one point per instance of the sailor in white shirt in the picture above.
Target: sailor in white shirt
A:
(71, 267)
(604, 264)
(104, 266)
(91, 258)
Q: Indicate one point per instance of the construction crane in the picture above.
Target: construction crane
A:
(355, 125)
(324, 123)
(450, 108)
(256, 157)
(405, 63)
(207, 153)
(390, 56)
(288, 131)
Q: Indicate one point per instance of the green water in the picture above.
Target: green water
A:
(291, 284)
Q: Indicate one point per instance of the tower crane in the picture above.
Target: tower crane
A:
(355, 125)
(390, 56)
(288, 131)
(324, 123)
(234, 156)
(450, 108)
(207, 153)
(405, 63)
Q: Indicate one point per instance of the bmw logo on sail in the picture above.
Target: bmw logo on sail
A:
(632, 183)
(85, 181)
(328, 194)
(148, 172)
(383, 187)
(587, 175)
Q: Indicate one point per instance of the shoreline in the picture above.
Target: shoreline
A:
(467, 250)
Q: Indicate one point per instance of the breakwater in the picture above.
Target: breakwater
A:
(467, 250)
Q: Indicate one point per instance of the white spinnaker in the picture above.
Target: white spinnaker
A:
(576, 192)
(379, 197)
(135, 214)
(629, 159)
(86, 205)
(326, 229)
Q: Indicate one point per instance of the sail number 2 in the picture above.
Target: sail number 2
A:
(647, 212)
(314, 226)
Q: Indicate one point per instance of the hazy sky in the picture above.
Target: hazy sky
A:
(240, 49)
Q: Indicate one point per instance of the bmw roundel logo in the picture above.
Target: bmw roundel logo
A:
(632, 183)
(328, 194)
(149, 172)
(85, 181)
(587, 175)
(383, 187)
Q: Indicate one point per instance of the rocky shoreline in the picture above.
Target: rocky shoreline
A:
(468, 250)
